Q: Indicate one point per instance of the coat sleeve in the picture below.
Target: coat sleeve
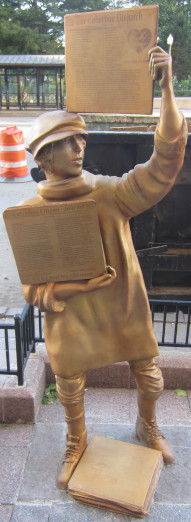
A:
(42, 296)
(147, 184)
(52, 297)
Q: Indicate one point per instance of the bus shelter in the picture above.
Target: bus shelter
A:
(32, 81)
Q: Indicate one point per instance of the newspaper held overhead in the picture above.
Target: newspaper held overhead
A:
(56, 242)
(107, 60)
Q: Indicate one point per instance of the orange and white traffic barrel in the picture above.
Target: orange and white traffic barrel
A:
(13, 163)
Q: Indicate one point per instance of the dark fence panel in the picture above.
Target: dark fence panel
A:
(6, 339)
(171, 322)
(167, 224)
(23, 339)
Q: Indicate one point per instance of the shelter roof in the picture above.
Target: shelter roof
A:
(22, 60)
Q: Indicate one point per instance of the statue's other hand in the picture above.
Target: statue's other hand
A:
(160, 66)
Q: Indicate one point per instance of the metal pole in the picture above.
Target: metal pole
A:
(20, 362)
(61, 89)
(31, 311)
(37, 87)
(56, 87)
(19, 90)
(7, 88)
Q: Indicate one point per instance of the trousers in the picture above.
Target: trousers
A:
(147, 374)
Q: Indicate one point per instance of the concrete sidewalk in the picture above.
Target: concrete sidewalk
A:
(30, 456)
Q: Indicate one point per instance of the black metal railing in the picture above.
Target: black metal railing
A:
(171, 322)
(19, 333)
(39, 326)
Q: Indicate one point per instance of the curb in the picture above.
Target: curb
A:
(20, 404)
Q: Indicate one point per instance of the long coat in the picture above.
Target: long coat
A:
(108, 320)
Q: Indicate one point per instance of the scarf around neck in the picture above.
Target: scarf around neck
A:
(67, 188)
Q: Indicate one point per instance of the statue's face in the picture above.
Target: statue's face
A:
(68, 156)
(64, 158)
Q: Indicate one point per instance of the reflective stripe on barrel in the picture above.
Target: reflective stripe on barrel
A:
(13, 161)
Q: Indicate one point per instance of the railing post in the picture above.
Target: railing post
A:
(188, 323)
(31, 311)
(7, 349)
(40, 324)
(20, 362)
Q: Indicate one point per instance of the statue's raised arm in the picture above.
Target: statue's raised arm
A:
(160, 66)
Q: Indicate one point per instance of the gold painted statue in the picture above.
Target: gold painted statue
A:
(93, 323)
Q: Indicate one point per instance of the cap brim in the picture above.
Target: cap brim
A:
(35, 147)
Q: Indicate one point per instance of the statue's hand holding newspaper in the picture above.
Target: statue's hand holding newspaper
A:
(160, 66)
(171, 119)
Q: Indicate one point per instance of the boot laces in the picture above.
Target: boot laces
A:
(72, 448)
(153, 430)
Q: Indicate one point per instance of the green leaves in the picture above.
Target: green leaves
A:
(30, 27)
(36, 26)
(181, 393)
(175, 18)
(79, 6)
(50, 394)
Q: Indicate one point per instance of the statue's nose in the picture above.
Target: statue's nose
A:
(78, 145)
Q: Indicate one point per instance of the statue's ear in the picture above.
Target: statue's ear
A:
(45, 157)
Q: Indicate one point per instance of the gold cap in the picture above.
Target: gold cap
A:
(54, 126)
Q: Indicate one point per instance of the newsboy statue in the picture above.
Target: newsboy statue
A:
(93, 323)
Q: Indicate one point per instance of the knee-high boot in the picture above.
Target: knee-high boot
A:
(150, 386)
(71, 395)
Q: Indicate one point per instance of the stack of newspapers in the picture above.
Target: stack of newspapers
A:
(117, 476)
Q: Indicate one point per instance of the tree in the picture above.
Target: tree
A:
(175, 19)
(117, 4)
(79, 6)
(37, 26)
(27, 28)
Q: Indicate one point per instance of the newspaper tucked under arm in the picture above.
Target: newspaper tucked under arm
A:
(56, 242)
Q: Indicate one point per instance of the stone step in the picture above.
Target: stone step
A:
(20, 404)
